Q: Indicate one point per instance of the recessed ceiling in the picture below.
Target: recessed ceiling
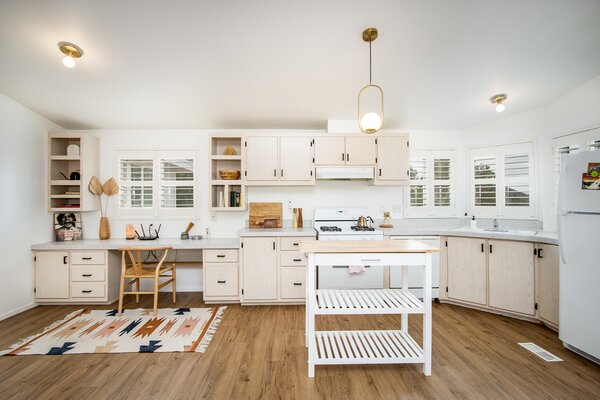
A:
(283, 64)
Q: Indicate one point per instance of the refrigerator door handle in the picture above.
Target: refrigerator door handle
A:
(561, 238)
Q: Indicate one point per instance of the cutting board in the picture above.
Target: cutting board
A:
(261, 211)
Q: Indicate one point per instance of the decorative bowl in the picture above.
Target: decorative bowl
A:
(229, 174)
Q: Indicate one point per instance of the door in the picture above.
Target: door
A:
(52, 275)
(511, 276)
(546, 264)
(467, 270)
(330, 150)
(259, 265)
(295, 159)
(360, 150)
(262, 158)
(392, 158)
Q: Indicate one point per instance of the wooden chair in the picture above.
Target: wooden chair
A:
(137, 270)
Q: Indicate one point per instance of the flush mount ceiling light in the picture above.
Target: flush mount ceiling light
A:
(71, 52)
(498, 100)
(370, 122)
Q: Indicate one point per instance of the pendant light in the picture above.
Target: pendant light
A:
(71, 52)
(370, 122)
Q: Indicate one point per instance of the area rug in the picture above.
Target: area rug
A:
(135, 331)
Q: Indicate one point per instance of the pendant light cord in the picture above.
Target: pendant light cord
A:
(370, 64)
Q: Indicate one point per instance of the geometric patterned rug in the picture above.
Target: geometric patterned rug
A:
(135, 331)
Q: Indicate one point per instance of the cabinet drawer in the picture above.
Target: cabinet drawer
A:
(89, 274)
(293, 283)
(220, 280)
(88, 290)
(87, 258)
(291, 258)
(227, 256)
(292, 243)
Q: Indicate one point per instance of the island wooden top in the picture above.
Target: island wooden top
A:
(366, 246)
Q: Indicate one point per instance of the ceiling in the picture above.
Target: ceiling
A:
(283, 64)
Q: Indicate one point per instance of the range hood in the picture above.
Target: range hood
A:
(345, 173)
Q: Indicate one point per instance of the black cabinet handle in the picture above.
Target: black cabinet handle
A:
(86, 275)
(275, 172)
(273, 245)
(297, 259)
(64, 259)
(490, 249)
(220, 255)
(297, 284)
(482, 250)
(347, 156)
(86, 291)
(86, 258)
(294, 244)
(343, 156)
(379, 171)
(540, 255)
(221, 281)
(282, 172)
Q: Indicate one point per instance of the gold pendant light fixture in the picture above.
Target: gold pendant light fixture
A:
(71, 52)
(498, 100)
(370, 122)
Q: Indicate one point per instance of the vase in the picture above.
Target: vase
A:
(104, 228)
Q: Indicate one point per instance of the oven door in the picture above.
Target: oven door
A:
(337, 276)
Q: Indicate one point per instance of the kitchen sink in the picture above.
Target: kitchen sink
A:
(502, 231)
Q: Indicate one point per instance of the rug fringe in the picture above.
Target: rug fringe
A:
(37, 335)
(210, 332)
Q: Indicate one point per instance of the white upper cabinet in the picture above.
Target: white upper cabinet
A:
(392, 160)
(262, 158)
(360, 150)
(295, 159)
(330, 150)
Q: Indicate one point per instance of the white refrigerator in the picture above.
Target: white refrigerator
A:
(579, 246)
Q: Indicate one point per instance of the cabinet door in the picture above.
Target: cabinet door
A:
(511, 276)
(330, 150)
(292, 284)
(262, 158)
(392, 158)
(467, 270)
(52, 275)
(547, 265)
(295, 156)
(360, 150)
(260, 268)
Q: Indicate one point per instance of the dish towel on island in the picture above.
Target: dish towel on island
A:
(356, 269)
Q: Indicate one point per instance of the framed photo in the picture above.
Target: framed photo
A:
(67, 226)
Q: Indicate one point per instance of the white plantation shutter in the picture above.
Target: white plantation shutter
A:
(176, 183)
(442, 175)
(418, 184)
(484, 174)
(516, 180)
(559, 152)
(136, 182)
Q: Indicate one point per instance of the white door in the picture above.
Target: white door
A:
(360, 150)
(511, 276)
(259, 265)
(467, 270)
(52, 278)
(262, 158)
(295, 155)
(546, 263)
(392, 158)
(330, 150)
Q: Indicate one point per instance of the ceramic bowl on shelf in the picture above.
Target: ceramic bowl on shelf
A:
(229, 174)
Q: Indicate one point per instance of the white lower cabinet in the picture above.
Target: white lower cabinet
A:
(51, 275)
(220, 273)
(547, 290)
(467, 270)
(293, 283)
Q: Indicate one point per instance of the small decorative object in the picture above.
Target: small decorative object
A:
(387, 220)
(110, 188)
(295, 210)
(67, 226)
(186, 234)
(300, 221)
(72, 150)
(129, 232)
(75, 176)
(229, 151)
(229, 174)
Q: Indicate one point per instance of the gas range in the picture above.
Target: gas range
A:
(340, 224)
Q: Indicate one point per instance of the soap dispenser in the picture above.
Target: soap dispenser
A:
(473, 222)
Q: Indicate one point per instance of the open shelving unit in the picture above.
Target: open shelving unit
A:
(226, 194)
(71, 195)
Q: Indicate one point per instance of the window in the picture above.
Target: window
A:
(501, 181)
(431, 184)
(156, 183)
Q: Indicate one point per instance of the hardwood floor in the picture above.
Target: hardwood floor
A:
(259, 353)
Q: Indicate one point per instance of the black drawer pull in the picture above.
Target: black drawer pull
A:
(490, 249)
(86, 291)
(297, 259)
(221, 281)
(294, 244)
(64, 259)
(482, 250)
(220, 255)
(297, 283)
(86, 275)
(86, 258)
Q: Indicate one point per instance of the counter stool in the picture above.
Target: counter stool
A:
(138, 270)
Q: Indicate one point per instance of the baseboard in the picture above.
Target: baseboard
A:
(17, 311)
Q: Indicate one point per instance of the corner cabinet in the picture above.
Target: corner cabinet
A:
(393, 160)
(547, 283)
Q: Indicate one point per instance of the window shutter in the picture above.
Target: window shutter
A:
(516, 180)
(176, 188)
(418, 185)
(442, 174)
(136, 183)
(484, 171)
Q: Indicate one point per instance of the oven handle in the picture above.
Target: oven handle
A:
(347, 266)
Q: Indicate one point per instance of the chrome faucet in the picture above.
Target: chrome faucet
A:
(495, 224)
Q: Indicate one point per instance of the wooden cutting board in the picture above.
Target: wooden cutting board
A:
(261, 211)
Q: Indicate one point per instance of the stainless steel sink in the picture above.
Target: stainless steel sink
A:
(496, 230)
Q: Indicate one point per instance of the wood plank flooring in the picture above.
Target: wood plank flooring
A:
(259, 353)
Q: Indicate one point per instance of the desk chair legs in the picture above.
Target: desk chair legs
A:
(174, 283)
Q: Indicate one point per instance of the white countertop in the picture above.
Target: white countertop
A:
(114, 244)
(306, 231)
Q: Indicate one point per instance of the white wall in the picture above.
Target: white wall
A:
(25, 219)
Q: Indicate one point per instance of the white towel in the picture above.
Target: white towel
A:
(356, 269)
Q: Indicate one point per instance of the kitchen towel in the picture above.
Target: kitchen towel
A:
(356, 269)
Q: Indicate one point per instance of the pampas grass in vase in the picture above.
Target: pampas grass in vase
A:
(109, 188)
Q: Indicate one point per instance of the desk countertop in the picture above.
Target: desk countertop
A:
(115, 244)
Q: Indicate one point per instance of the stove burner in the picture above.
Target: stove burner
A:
(362, 229)
(330, 229)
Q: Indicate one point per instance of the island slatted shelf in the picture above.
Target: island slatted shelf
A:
(367, 346)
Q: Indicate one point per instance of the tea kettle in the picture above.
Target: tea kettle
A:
(364, 222)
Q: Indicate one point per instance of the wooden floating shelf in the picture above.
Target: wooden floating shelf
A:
(65, 196)
(65, 158)
(64, 182)
(67, 209)
(226, 182)
(367, 301)
(223, 157)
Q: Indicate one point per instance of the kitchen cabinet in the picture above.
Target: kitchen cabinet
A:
(51, 275)
(360, 150)
(259, 260)
(547, 289)
(393, 160)
(295, 159)
(345, 150)
(220, 272)
(262, 158)
(330, 150)
(467, 270)
(511, 276)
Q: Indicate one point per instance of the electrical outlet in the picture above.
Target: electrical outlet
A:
(397, 208)
(290, 205)
(213, 217)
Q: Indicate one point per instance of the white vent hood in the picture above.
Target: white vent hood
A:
(345, 173)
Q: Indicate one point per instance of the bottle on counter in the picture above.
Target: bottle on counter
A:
(473, 222)
(465, 221)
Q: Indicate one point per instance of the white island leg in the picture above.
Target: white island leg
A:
(310, 313)
(404, 317)
(427, 315)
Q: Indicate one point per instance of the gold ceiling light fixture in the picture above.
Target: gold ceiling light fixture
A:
(71, 52)
(370, 122)
(499, 100)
